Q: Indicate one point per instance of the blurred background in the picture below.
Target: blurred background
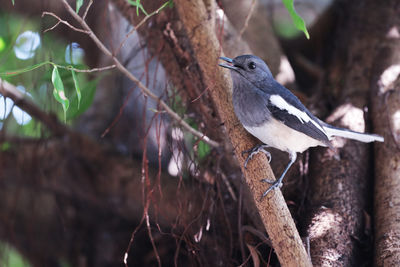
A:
(123, 184)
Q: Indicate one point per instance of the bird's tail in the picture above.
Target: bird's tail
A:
(346, 133)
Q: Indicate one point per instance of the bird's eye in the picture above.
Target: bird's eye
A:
(252, 65)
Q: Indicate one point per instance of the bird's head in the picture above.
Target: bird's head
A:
(249, 67)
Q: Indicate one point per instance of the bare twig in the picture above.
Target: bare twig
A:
(248, 17)
(228, 186)
(87, 70)
(68, 67)
(10, 91)
(258, 233)
(61, 21)
(87, 9)
(136, 27)
(130, 76)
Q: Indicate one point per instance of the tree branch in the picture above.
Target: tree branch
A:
(273, 210)
(51, 121)
(144, 89)
(385, 98)
(63, 22)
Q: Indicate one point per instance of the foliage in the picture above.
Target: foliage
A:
(297, 20)
(138, 6)
(203, 149)
(10, 257)
(25, 62)
(79, 4)
(59, 92)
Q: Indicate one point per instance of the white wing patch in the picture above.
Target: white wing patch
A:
(281, 103)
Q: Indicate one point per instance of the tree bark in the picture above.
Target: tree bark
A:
(273, 209)
(387, 173)
(385, 95)
(339, 189)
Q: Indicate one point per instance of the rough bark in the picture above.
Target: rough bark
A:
(339, 188)
(273, 209)
(385, 95)
(387, 173)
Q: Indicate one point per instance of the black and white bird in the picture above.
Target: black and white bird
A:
(275, 116)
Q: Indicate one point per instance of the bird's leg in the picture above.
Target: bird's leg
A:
(253, 151)
(278, 183)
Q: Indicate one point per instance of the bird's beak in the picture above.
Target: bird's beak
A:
(228, 66)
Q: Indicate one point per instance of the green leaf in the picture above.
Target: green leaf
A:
(5, 146)
(77, 88)
(297, 20)
(13, 2)
(11, 257)
(203, 149)
(138, 6)
(2, 44)
(79, 4)
(58, 92)
(88, 92)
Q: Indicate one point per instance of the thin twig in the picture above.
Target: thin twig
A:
(87, 9)
(258, 233)
(228, 186)
(63, 22)
(240, 232)
(248, 17)
(87, 70)
(51, 121)
(68, 67)
(135, 28)
(52, 28)
(130, 76)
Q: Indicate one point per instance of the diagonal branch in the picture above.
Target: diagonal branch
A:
(51, 121)
(87, 9)
(273, 210)
(130, 76)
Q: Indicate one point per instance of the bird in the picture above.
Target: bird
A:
(275, 116)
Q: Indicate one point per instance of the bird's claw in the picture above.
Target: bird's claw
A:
(268, 181)
(253, 151)
(274, 185)
(247, 160)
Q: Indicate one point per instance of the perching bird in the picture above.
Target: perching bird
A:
(275, 116)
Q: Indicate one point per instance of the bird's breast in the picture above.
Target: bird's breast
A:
(276, 134)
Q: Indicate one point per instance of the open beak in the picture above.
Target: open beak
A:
(228, 66)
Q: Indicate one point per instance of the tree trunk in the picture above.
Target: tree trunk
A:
(385, 95)
(340, 189)
(273, 209)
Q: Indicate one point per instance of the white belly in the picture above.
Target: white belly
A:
(275, 134)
